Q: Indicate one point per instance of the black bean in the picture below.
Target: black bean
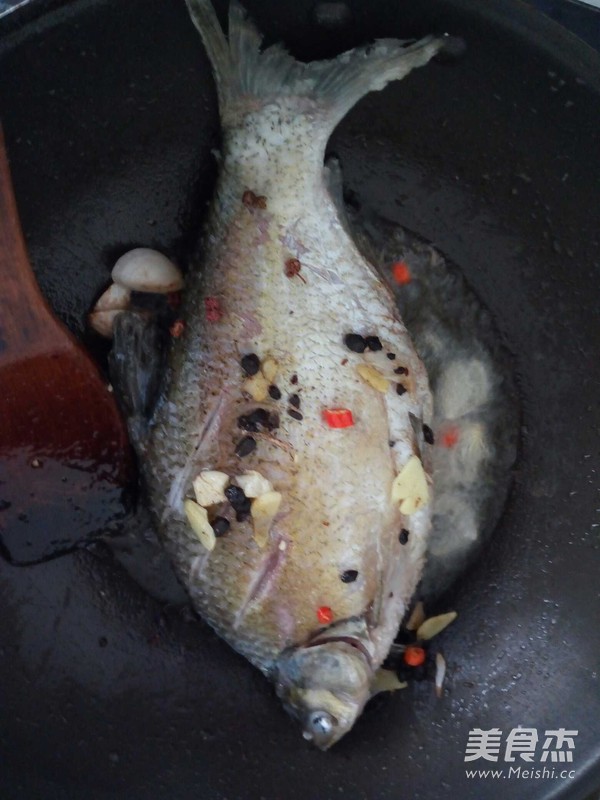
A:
(294, 400)
(391, 443)
(274, 392)
(400, 389)
(237, 498)
(401, 371)
(242, 516)
(273, 422)
(260, 416)
(220, 526)
(294, 380)
(391, 356)
(235, 495)
(403, 536)
(355, 342)
(246, 423)
(374, 343)
(245, 446)
(250, 364)
(295, 414)
(257, 419)
(349, 576)
(428, 434)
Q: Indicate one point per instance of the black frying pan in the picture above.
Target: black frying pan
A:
(110, 115)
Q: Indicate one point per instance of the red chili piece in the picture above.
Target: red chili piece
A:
(414, 656)
(324, 615)
(338, 417)
(450, 437)
(214, 312)
(177, 328)
(401, 273)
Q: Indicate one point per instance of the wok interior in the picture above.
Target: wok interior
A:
(495, 159)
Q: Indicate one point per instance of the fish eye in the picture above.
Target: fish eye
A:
(319, 725)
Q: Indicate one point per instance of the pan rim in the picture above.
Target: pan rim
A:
(39, 8)
(523, 20)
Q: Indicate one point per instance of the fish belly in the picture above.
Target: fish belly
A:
(337, 512)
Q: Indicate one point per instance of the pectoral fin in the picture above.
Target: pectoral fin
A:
(137, 362)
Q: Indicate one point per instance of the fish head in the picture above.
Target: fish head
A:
(325, 687)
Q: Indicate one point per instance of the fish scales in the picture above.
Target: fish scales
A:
(272, 204)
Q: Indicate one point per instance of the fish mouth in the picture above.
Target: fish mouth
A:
(349, 640)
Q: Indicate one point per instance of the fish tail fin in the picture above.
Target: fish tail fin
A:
(342, 81)
(243, 70)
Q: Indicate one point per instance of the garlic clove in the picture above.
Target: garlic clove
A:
(253, 484)
(417, 617)
(102, 322)
(440, 674)
(386, 680)
(257, 387)
(209, 487)
(410, 488)
(146, 270)
(434, 625)
(270, 368)
(263, 511)
(115, 298)
(198, 519)
(373, 377)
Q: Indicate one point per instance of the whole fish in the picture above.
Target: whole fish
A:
(284, 462)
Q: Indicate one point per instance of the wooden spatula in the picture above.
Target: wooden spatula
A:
(64, 455)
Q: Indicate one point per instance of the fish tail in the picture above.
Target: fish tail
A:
(244, 70)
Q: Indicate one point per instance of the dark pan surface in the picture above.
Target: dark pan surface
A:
(109, 114)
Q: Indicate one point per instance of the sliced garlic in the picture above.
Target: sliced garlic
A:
(115, 298)
(373, 377)
(198, 519)
(257, 387)
(253, 484)
(386, 680)
(434, 625)
(102, 322)
(146, 270)
(263, 511)
(417, 617)
(410, 487)
(270, 368)
(440, 673)
(209, 487)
